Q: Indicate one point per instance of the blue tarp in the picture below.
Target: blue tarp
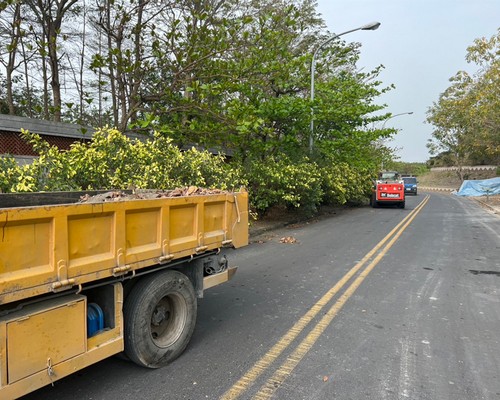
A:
(480, 188)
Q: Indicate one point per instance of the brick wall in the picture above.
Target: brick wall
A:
(12, 143)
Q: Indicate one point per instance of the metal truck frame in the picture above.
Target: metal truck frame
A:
(82, 282)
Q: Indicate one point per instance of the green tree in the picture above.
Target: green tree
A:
(451, 123)
(231, 76)
(465, 118)
(222, 69)
(49, 16)
(485, 100)
(10, 33)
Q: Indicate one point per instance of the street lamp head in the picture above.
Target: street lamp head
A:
(370, 27)
(396, 115)
(403, 113)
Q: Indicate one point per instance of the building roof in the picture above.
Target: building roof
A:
(13, 123)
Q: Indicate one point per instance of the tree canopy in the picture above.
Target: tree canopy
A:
(233, 76)
(465, 118)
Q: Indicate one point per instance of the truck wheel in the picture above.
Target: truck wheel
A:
(402, 204)
(373, 201)
(160, 316)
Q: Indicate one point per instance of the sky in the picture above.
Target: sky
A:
(422, 44)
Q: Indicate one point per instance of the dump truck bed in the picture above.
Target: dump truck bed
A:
(50, 248)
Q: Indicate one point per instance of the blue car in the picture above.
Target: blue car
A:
(410, 185)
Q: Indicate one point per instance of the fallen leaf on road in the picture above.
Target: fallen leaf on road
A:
(288, 239)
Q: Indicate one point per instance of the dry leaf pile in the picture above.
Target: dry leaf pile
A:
(288, 239)
(118, 195)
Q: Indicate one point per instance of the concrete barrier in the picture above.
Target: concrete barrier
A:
(436, 189)
(467, 168)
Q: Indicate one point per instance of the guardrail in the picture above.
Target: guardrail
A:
(437, 189)
(467, 168)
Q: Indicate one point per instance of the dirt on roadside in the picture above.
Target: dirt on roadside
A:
(492, 201)
(450, 179)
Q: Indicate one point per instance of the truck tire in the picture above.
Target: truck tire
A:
(373, 201)
(160, 316)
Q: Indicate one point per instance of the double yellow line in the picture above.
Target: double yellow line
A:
(273, 383)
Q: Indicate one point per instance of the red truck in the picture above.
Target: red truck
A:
(389, 188)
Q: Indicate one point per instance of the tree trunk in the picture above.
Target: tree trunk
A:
(51, 21)
(112, 75)
(135, 84)
(12, 49)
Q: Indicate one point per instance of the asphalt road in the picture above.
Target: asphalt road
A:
(366, 304)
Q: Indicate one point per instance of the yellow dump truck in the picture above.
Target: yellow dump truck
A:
(80, 282)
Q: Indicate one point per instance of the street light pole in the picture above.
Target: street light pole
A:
(392, 116)
(368, 27)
